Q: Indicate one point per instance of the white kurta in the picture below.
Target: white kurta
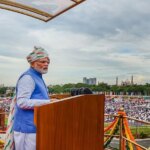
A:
(25, 141)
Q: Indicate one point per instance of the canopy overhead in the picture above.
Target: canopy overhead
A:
(44, 10)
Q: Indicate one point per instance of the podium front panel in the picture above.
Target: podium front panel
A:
(75, 123)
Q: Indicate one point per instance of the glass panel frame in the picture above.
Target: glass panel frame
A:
(38, 9)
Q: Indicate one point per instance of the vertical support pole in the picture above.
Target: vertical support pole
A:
(120, 137)
(136, 130)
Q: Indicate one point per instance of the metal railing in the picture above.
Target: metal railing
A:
(120, 136)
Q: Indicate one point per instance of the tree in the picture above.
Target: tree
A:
(3, 90)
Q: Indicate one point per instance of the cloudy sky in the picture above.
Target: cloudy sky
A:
(99, 38)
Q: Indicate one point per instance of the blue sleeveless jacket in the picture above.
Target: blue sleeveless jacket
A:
(24, 118)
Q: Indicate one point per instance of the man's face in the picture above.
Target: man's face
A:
(41, 65)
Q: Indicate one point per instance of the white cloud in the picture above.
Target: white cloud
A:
(102, 39)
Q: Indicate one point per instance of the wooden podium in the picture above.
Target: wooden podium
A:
(74, 123)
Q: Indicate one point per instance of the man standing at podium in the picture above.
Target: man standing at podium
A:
(30, 91)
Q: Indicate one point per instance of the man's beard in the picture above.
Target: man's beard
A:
(42, 71)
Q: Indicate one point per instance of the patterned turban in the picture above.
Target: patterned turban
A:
(36, 54)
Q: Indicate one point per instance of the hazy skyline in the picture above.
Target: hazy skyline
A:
(102, 39)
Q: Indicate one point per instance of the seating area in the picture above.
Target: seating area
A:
(138, 108)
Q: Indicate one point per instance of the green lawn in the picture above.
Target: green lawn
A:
(139, 131)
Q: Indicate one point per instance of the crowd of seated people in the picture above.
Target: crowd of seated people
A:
(138, 108)
(5, 104)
